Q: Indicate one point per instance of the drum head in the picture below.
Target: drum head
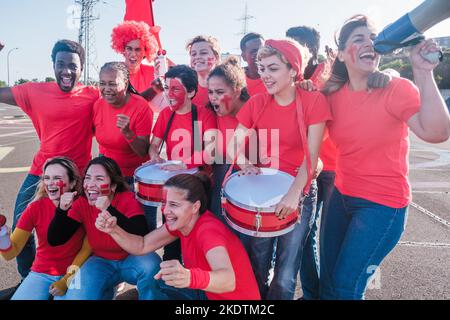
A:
(262, 191)
(154, 174)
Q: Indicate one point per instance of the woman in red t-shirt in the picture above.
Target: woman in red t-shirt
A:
(122, 120)
(105, 190)
(227, 94)
(52, 268)
(204, 52)
(297, 119)
(215, 263)
(370, 128)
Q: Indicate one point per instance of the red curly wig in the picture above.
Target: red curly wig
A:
(132, 30)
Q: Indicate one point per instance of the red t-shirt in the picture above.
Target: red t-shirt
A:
(142, 79)
(209, 233)
(112, 142)
(371, 136)
(226, 126)
(49, 260)
(63, 121)
(282, 119)
(328, 155)
(201, 99)
(103, 245)
(179, 139)
(255, 86)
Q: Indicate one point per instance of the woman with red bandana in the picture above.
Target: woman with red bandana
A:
(299, 118)
(186, 129)
(48, 273)
(368, 208)
(204, 52)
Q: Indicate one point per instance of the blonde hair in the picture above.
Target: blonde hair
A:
(213, 43)
(72, 172)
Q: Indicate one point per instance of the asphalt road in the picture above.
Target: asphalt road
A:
(418, 268)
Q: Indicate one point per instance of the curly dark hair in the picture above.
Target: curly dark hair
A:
(69, 46)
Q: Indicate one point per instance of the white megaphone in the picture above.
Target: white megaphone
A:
(408, 29)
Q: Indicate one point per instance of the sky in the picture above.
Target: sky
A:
(34, 26)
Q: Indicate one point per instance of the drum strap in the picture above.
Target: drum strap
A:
(196, 144)
(304, 138)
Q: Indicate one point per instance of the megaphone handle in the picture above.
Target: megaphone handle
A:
(433, 57)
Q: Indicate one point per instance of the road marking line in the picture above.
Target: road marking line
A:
(4, 151)
(430, 214)
(442, 160)
(431, 192)
(424, 244)
(16, 133)
(19, 142)
(14, 170)
(430, 185)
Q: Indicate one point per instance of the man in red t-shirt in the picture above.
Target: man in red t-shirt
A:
(250, 45)
(61, 112)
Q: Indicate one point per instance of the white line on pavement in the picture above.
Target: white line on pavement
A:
(430, 214)
(14, 170)
(15, 133)
(424, 244)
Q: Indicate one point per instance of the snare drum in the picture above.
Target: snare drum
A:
(248, 203)
(149, 181)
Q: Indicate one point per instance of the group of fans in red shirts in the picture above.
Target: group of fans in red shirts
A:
(342, 128)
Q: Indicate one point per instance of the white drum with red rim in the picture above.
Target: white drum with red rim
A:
(149, 181)
(249, 201)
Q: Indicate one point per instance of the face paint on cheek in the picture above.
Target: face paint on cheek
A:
(61, 186)
(211, 61)
(104, 189)
(352, 52)
(176, 92)
(226, 100)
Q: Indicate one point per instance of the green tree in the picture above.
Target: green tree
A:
(3, 84)
(49, 79)
(21, 81)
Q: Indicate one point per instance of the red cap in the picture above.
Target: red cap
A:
(291, 51)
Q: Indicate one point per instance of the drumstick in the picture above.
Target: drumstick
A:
(2, 220)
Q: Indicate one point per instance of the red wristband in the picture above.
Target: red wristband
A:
(199, 279)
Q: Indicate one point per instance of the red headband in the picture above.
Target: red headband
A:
(291, 52)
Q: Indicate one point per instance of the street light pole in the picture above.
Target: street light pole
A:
(7, 61)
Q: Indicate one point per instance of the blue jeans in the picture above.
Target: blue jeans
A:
(173, 293)
(97, 278)
(26, 193)
(35, 287)
(356, 236)
(289, 250)
(309, 270)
